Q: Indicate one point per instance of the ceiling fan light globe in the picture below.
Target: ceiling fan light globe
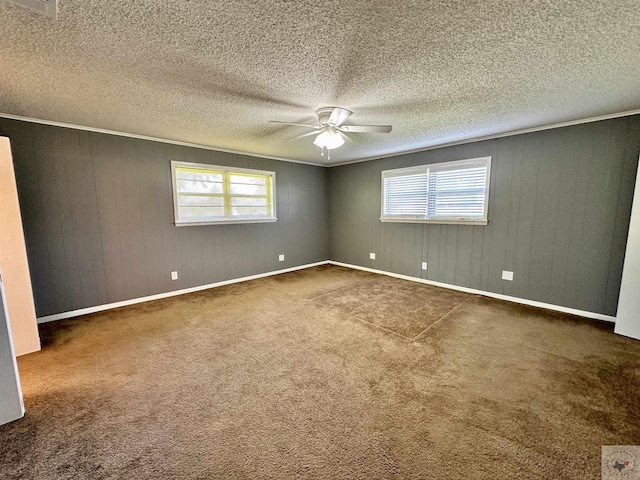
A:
(329, 140)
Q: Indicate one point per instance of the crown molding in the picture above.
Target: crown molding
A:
(493, 136)
(339, 164)
(153, 139)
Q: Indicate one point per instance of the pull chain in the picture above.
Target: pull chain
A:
(328, 153)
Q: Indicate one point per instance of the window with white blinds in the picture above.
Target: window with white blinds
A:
(449, 192)
(211, 194)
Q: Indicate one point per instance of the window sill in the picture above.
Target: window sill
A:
(226, 222)
(435, 222)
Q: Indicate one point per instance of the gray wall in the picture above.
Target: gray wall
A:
(559, 211)
(98, 218)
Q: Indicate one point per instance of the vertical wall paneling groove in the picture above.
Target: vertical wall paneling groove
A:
(615, 149)
(48, 187)
(526, 216)
(546, 214)
(98, 217)
(592, 214)
(625, 195)
(93, 217)
(515, 152)
(27, 174)
(559, 209)
(564, 212)
(500, 215)
(74, 185)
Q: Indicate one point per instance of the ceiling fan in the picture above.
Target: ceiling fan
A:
(331, 130)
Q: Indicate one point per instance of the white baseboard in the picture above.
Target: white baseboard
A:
(133, 301)
(524, 301)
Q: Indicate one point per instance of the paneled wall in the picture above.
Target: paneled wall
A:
(98, 218)
(559, 210)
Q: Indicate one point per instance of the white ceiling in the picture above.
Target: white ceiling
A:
(214, 72)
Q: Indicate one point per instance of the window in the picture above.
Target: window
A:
(449, 192)
(209, 194)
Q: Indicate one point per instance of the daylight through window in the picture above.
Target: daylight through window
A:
(211, 194)
(448, 192)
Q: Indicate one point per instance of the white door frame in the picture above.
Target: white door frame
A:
(628, 317)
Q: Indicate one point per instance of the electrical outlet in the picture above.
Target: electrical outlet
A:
(174, 275)
(281, 257)
(372, 256)
(424, 265)
(506, 275)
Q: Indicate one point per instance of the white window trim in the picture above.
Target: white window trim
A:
(223, 168)
(438, 166)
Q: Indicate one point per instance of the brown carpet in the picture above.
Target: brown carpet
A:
(324, 373)
(399, 306)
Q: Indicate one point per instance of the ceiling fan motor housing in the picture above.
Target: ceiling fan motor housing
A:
(324, 113)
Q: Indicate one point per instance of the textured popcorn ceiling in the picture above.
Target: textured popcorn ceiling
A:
(214, 72)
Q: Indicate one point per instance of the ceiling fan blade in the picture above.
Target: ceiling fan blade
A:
(316, 127)
(344, 136)
(366, 128)
(338, 116)
(304, 135)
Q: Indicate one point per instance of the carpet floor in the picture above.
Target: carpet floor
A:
(325, 373)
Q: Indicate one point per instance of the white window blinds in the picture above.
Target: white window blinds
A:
(406, 195)
(205, 194)
(450, 192)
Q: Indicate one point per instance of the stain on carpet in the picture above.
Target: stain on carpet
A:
(402, 307)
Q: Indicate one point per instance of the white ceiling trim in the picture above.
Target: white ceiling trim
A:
(153, 139)
(497, 135)
(368, 159)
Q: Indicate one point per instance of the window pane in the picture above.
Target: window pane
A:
(200, 213)
(193, 186)
(250, 211)
(248, 189)
(250, 179)
(457, 193)
(187, 174)
(406, 195)
(249, 201)
(196, 200)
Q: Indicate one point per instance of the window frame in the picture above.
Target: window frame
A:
(227, 170)
(418, 169)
